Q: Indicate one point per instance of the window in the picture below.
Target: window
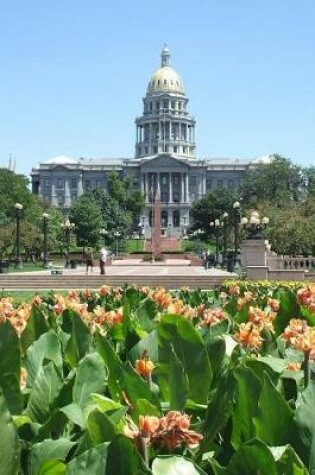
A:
(163, 197)
(165, 104)
(176, 180)
(158, 82)
(175, 149)
(184, 149)
(46, 182)
(164, 180)
(165, 82)
(209, 184)
(173, 103)
(220, 184)
(166, 149)
(87, 184)
(231, 184)
(176, 197)
(155, 149)
(60, 183)
(150, 106)
(146, 150)
(73, 183)
(179, 105)
(157, 105)
(192, 181)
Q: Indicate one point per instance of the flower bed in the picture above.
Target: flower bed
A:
(140, 380)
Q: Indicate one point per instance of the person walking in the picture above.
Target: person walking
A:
(103, 259)
(89, 260)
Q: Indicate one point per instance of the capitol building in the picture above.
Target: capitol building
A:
(164, 156)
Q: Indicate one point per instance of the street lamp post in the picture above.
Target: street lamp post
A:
(18, 262)
(216, 226)
(224, 225)
(67, 227)
(45, 217)
(237, 220)
(117, 236)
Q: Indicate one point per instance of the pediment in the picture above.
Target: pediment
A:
(161, 162)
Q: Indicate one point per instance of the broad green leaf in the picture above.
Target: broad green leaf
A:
(287, 461)
(52, 467)
(190, 349)
(148, 343)
(270, 365)
(112, 362)
(47, 347)
(175, 465)
(304, 435)
(10, 385)
(288, 308)
(9, 441)
(100, 427)
(78, 343)
(135, 387)
(44, 391)
(91, 378)
(123, 459)
(216, 348)
(90, 462)
(10, 357)
(35, 327)
(178, 383)
(142, 407)
(48, 450)
(219, 408)
(252, 458)
(104, 403)
(74, 413)
(247, 392)
(274, 419)
(146, 313)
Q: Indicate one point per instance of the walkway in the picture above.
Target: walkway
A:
(173, 274)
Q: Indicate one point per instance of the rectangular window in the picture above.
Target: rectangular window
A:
(175, 149)
(73, 183)
(173, 104)
(60, 183)
(87, 184)
(155, 149)
(46, 182)
(209, 184)
(165, 104)
(176, 180)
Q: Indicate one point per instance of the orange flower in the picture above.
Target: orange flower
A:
(212, 317)
(294, 366)
(299, 335)
(104, 290)
(144, 367)
(249, 336)
(273, 304)
(73, 294)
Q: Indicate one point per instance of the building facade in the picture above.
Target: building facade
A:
(164, 156)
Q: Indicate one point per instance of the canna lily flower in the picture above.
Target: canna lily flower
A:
(249, 336)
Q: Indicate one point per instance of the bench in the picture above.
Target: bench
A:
(56, 270)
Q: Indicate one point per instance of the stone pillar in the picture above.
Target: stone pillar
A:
(187, 189)
(170, 189)
(253, 252)
(182, 189)
(80, 185)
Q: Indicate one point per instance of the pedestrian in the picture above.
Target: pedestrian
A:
(103, 259)
(89, 260)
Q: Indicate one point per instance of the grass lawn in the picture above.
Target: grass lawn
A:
(26, 295)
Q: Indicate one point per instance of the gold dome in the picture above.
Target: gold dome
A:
(165, 79)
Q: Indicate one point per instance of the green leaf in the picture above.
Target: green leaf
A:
(142, 407)
(10, 385)
(274, 419)
(252, 458)
(112, 362)
(149, 343)
(52, 467)
(247, 392)
(216, 348)
(48, 450)
(304, 435)
(288, 308)
(178, 383)
(190, 349)
(101, 428)
(74, 413)
(146, 313)
(287, 461)
(78, 343)
(9, 442)
(10, 357)
(105, 404)
(45, 389)
(92, 462)
(35, 327)
(47, 347)
(135, 387)
(91, 378)
(123, 459)
(175, 465)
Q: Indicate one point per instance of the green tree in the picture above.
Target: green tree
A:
(279, 182)
(86, 214)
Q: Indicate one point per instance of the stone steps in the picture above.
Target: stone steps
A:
(60, 282)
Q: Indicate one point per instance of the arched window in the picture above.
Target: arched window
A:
(164, 218)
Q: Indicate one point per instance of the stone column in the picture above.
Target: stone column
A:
(187, 189)
(182, 189)
(170, 189)
(142, 183)
(80, 185)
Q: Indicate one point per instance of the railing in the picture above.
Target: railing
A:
(292, 263)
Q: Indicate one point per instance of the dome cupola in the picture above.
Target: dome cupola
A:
(165, 79)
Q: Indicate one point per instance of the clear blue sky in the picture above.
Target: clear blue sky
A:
(73, 74)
